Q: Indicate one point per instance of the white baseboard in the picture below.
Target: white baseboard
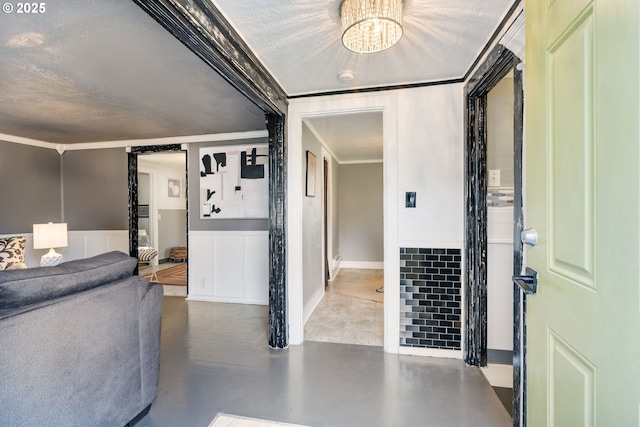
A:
(231, 300)
(430, 352)
(367, 265)
(336, 261)
(311, 305)
(335, 267)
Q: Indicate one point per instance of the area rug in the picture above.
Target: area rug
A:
(365, 289)
(175, 275)
(226, 420)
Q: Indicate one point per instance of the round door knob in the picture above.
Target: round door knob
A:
(529, 236)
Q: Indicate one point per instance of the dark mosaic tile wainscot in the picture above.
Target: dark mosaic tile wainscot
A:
(430, 298)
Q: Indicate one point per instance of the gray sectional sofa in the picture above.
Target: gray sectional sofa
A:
(79, 343)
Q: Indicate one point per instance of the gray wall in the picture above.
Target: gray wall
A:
(96, 194)
(195, 223)
(144, 189)
(312, 221)
(500, 130)
(360, 212)
(30, 190)
(172, 230)
(335, 204)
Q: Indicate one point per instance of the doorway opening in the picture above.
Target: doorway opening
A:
(162, 220)
(349, 307)
(250, 78)
(149, 182)
(494, 214)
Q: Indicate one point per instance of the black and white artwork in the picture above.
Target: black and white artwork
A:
(234, 182)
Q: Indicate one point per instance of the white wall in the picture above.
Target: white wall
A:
(229, 266)
(431, 163)
(500, 219)
(499, 283)
(313, 268)
(423, 152)
(81, 244)
(500, 130)
(159, 174)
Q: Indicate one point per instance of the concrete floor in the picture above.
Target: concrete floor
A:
(214, 358)
(344, 319)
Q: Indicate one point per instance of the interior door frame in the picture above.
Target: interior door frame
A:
(500, 61)
(132, 160)
(204, 30)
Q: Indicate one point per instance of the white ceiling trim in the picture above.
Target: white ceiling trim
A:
(322, 141)
(27, 141)
(507, 23)
(361, 162)
(61, 148)
(514, 37)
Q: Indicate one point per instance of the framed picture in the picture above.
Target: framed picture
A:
(234, 181)
(173, 187)
(311, 174)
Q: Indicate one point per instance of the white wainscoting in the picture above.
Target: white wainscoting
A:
(84, 244)
(499, 283)
(229, 266)
(81, 244)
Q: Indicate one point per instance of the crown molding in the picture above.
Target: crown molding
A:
(61, 148)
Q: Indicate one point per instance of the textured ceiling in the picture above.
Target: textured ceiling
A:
(88, 71)
(350, 137)
(299, 41)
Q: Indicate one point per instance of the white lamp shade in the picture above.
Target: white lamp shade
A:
(46, 236)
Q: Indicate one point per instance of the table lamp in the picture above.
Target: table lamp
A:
(50, 236)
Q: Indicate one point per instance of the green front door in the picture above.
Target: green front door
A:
(582, 195)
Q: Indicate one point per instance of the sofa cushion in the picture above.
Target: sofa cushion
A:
(11, 251)
(17, 266)
(23, 287)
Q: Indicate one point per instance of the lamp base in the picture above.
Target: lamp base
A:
(51, 258)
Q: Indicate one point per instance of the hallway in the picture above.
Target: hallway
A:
(345, 319)
(214, 358)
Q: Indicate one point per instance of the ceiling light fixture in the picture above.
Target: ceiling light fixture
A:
(370, 26)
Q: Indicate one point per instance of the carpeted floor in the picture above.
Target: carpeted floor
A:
(176, 275)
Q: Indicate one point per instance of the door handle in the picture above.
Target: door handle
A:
(527, 282)
(529, 236)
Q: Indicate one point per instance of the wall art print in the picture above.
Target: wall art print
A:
(234, 181)
(173, 187)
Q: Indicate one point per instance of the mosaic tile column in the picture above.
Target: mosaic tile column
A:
(430, 298)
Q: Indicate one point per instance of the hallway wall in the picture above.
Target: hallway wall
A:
(423, 153)
(313, 283)
(360, 221)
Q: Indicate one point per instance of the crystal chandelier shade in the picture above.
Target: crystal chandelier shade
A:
(370, 26)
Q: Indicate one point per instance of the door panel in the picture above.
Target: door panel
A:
(559, 15)
(570, 106)
(571, 385)
(583, 155)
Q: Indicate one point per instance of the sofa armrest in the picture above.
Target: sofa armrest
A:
(150, 329)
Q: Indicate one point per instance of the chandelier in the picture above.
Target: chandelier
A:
(370, 26)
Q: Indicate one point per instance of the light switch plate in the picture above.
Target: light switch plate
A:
(494, 178)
